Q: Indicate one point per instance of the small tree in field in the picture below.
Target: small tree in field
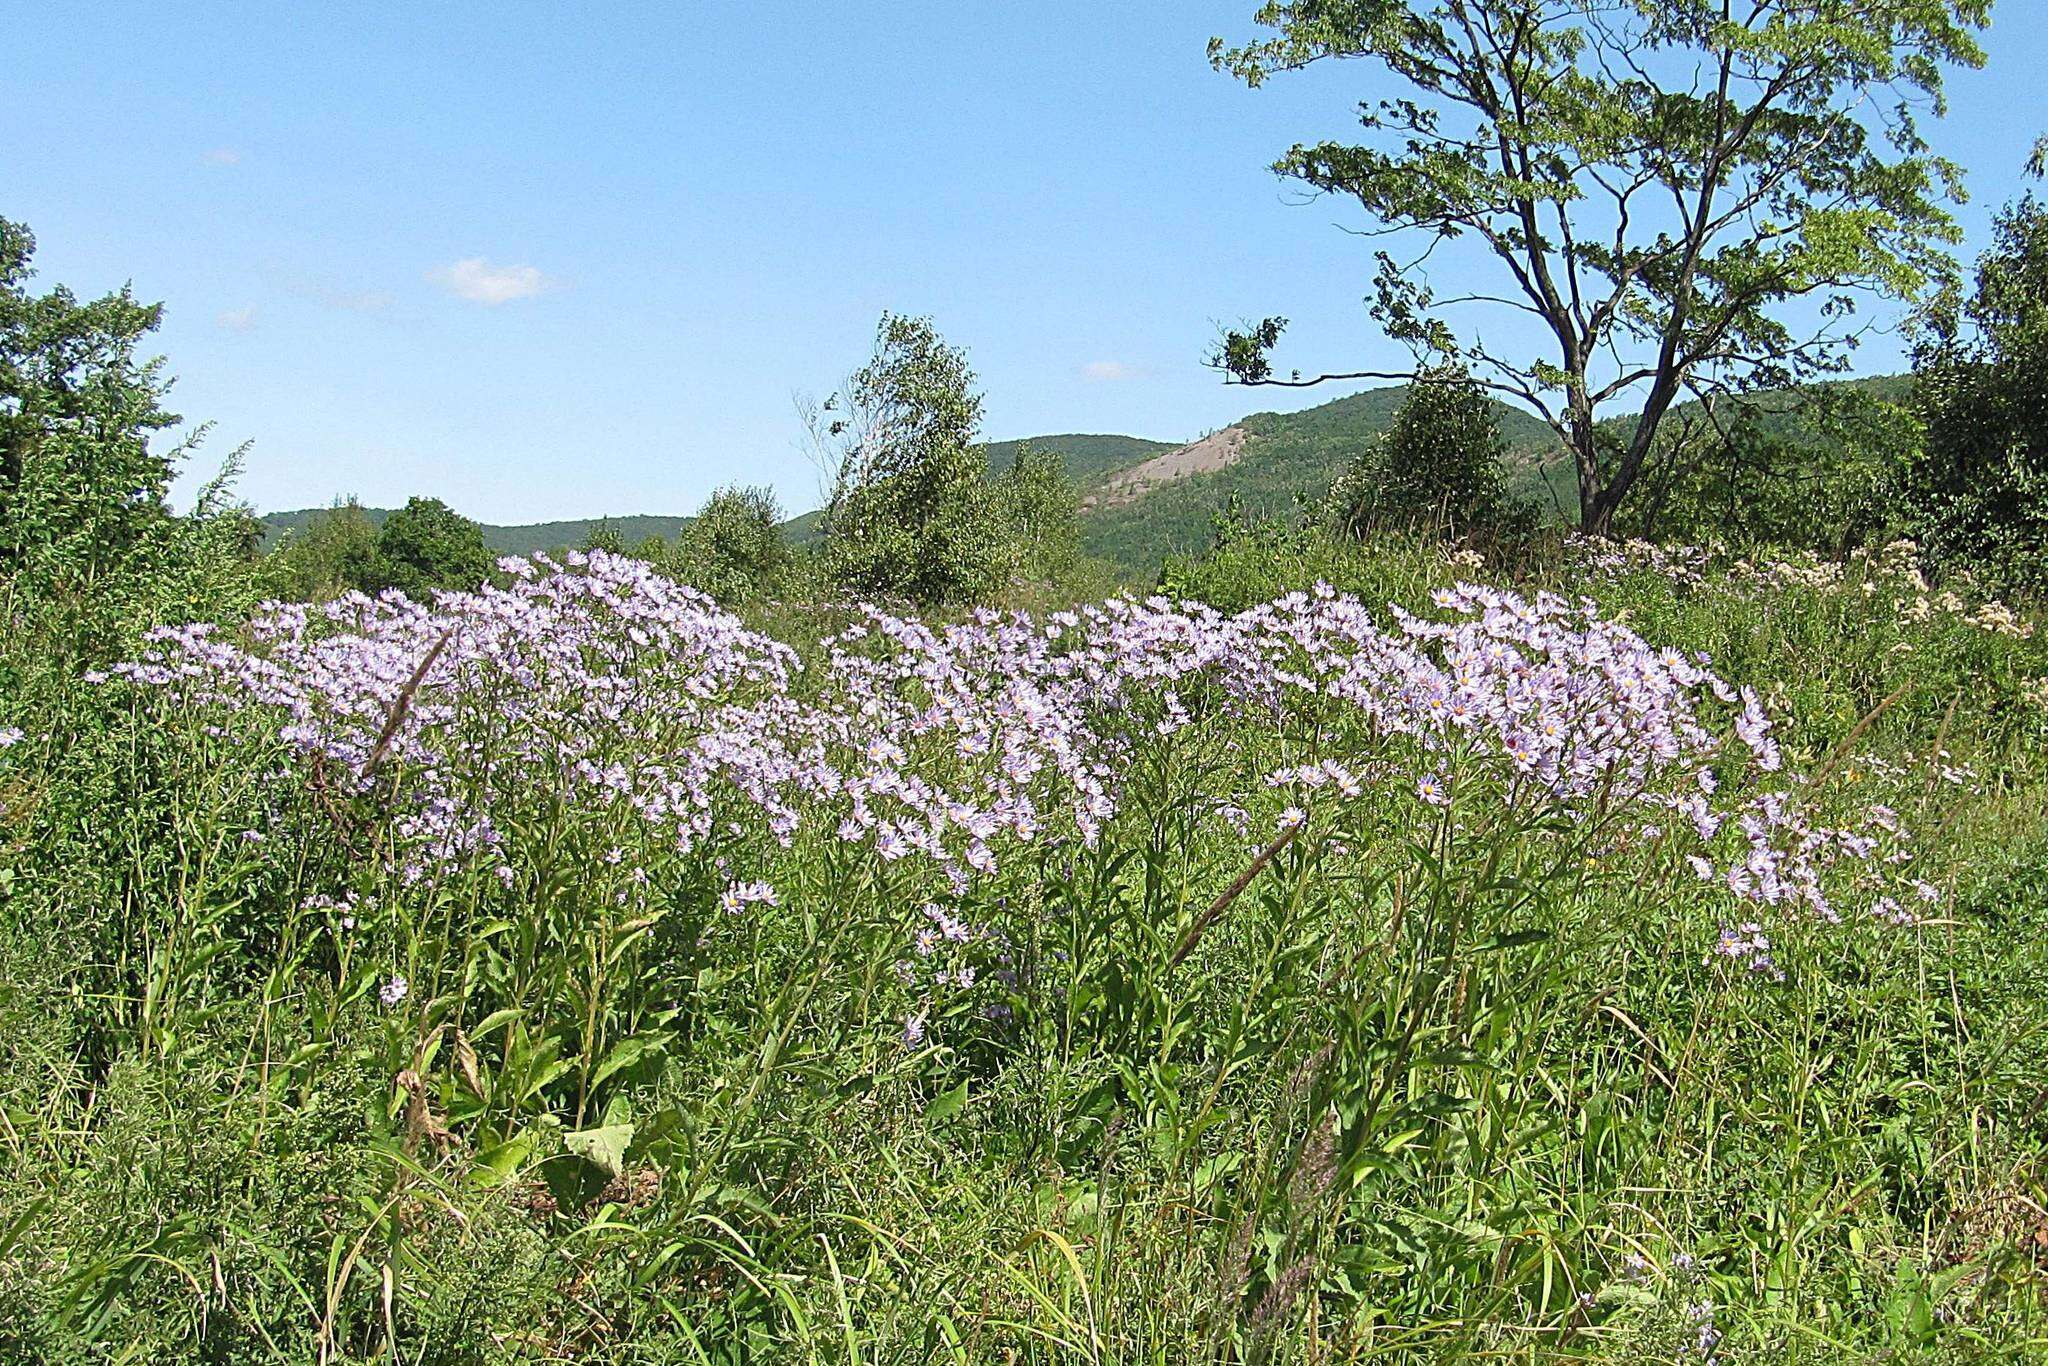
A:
(427, 545)
(336, 551)
(733, 548)
(1438, 465)
(1648, 184)
(605, 536)
(80, 487)
(1041, 513)
(911, 513)
(1977, 496)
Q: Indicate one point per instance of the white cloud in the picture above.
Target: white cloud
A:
(223, 156)
(236, 319)
(1108, 371)
(480, 282)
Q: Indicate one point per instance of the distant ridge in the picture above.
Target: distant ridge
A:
(1142, 499)
(504, 540)
(1088, 457)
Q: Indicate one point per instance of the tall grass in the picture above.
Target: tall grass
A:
(575, 972)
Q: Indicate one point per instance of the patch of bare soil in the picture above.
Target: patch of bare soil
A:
(1211, 453)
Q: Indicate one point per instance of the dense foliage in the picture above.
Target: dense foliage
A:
(1976, 494)
(911, 516)
(1816, 467)
(427, 545)
(84, 512)
(1651, 182)
(733, 548)
(422, 546)
(1440, 465)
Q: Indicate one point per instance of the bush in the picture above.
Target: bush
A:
(336, 552)
(427, 545)
(1041, 517)
(604, 536)
(1812, 468)
(674, 987)
(1976, 499)
(733, 548)
(1437, 468)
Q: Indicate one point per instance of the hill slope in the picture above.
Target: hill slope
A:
(1089, 459)
(1142, 500)
(1269, 461)
(523, 539)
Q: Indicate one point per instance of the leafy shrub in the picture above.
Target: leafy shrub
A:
(604, 536)
(336, 552)
(733, 548)
(1437, 467)
(1040, 513)
(1811, 468)
(427, 545)
(1976, 499)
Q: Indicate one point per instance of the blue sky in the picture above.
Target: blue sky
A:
(551, 260)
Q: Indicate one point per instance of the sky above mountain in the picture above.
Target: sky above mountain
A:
(554, 261)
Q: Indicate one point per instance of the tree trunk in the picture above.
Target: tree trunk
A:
(1583, 438)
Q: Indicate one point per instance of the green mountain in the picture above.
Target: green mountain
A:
(1088, 458)
(1142, 500)
(1269, 462)
(501, 540)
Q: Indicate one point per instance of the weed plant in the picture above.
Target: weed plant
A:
(1637, 962)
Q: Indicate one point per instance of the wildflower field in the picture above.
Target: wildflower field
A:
(1626, 954)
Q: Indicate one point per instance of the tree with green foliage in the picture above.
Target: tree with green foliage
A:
(605, 536)
(80, 485)
(1652, 181)
(337, 551)
(1041, 511)
(1976, 499)
(86, 524)
(1438, 466)
(733, 548)
(911, 513)
(427, 545)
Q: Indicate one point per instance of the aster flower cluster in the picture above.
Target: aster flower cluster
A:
(546, 683)
(944, 747)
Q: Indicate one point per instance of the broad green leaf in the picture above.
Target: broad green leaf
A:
(603, 1147)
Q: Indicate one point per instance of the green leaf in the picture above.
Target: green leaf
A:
(493, 1021)
(503, 1160)
(540, 1079)
(947, 1105)
(603, 1147)
(627, 1052)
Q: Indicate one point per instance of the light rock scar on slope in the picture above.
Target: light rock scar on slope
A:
(1211, 453)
